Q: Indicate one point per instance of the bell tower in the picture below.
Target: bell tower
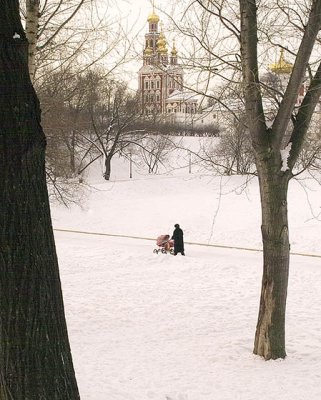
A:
(151, 38)
(160, 74)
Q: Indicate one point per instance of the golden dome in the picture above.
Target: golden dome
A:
(281, 67)
(161, 43)
(174, 51)
(153, 17)
(163, 50)
(148, 51)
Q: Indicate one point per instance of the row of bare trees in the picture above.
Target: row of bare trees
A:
(90, 116)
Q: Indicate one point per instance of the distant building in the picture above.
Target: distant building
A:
(160, 74)
(161, 82)
(162, 93)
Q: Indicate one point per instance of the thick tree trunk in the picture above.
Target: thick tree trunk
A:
(32, 18)
(35, 357)
(270, 331)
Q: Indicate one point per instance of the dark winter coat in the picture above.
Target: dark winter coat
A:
(178, 240)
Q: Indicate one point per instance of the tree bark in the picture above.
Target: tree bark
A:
(107, 168)
(270, 331)
(35, 356)
(267, 144)
(32, 18)
(72, 151)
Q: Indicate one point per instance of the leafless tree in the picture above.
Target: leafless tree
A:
(66, 38)
(64, 98)
(154, 151)
(234, 38)
(230, 154)
(112, 111)
(44, 23)
(35, 356)
(65, 33)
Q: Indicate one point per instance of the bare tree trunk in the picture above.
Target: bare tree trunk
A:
(35, 356)
(270, 337)
(270, 331)
(73, 151)
(271, 141)
(107, 168)
(32, 18)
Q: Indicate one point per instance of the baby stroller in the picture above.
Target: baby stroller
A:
(165, 245)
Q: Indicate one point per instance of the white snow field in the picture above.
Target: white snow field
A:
(147, 326)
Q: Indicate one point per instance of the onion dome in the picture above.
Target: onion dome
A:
(148, 51)
(174, 51)
(282, 66)
(153, 17)
(161, 44)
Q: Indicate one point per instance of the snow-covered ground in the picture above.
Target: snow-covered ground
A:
(156, 327)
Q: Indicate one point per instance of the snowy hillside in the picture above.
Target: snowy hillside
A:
(156, 327)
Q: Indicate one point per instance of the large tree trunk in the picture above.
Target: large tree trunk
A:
(35, 356)
(270, 331)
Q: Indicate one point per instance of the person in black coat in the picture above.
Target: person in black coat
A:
(178, 240)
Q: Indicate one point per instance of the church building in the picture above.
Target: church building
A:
(160, 76)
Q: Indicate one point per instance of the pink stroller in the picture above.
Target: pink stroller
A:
(165, 245)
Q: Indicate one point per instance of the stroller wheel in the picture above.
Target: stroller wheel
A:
(171, 251)
(163, 251)
(155, 251)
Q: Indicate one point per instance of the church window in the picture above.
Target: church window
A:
(146, 85)
(152, 84)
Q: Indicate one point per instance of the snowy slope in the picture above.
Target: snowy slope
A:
(157, 327)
